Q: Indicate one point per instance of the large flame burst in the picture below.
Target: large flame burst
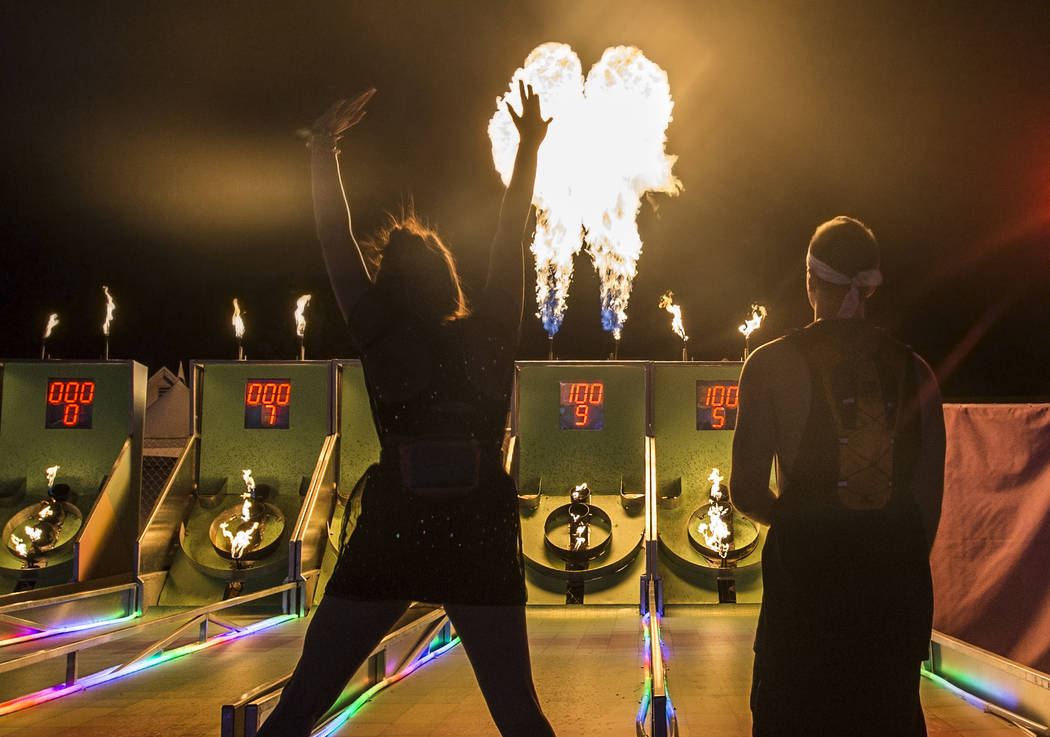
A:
(604, 150)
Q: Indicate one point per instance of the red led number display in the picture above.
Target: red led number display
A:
(716, 405)
(69, 404)
(582, 405)
(267, 403)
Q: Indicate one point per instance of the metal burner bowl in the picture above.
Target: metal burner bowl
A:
(556, 534)
(58, 531)
(270, 529)
(745, 536)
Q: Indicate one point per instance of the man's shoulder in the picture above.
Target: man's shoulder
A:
(777, 366)
(775, 355)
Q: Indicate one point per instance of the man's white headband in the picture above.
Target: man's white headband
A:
(868, 279)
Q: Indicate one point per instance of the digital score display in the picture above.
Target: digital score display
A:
(69, 404)
(267, 403)
(582, 405)
(716, 404)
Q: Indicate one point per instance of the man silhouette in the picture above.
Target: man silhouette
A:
(853, 420)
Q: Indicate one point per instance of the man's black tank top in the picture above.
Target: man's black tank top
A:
(845, 565)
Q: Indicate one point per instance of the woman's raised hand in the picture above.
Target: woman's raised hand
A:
(341, 116)
(530, 124)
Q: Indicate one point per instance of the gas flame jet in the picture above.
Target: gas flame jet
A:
(52, 323)
(629, 102)
(300, 323)
(238, 329)
(240, 541)
(51, 472)
(603, 151)
(667, 303)
(111, 307)
(714, 528)
(300, 314)
(20, 546)
(555, 73)
(248, 496)
(758, 313)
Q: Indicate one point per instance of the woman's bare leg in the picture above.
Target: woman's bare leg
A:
(496, 642)
(341, 636)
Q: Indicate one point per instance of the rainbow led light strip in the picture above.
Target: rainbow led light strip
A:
(66, 629)
(342, 717)
(647, 695)
(119, 671)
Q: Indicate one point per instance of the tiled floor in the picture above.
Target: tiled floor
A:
(586, 663)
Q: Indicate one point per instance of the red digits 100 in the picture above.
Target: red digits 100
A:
(721, 397)
(585, 394)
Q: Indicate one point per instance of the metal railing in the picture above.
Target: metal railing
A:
(397, 655)
(157, 651)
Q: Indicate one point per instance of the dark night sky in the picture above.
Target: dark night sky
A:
(151, 147)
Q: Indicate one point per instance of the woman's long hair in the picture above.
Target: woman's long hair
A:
(415, 271)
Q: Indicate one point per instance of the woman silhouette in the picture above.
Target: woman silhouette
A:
(437, 517)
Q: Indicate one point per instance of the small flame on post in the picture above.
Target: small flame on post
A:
(239, 542)
(249, 482)
(758, 313)
(667, 303)
(51, 472)
(52, 323)
(248, 495)
(713, 528)
(111, 307)
(300, 323)
(20, 546)
(238, 329)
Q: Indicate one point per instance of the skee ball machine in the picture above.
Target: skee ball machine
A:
(709, 552)
(578, 449)
(251, 491)
(70, 468)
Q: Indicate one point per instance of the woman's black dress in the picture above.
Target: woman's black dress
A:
(443, 380)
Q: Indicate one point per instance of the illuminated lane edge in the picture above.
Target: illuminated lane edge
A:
(647, 693)
(343, 717)
(984, 705)
(65, 630)
(119, 671)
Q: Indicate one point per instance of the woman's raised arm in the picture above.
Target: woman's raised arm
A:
(342, 256)
(506, 274)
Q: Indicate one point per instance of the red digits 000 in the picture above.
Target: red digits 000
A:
(254, 393)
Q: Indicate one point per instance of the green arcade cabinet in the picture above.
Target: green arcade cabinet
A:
(709, 553)
(578, 450)
(70, 468)
(252, 490)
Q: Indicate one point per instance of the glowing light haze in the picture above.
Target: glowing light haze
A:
(603, 151)
(51, 472)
